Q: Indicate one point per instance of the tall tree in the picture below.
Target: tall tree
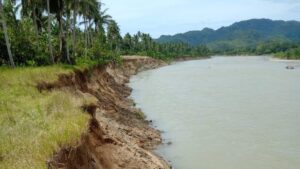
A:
(127, 44)
(57, 7)
(113, 35)
(4, 26)
(102, 19)
(33, 9)
(75, 6)
(49, 32)
(89, 11)
(72, 9)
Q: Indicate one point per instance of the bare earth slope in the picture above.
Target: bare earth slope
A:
(117, 136)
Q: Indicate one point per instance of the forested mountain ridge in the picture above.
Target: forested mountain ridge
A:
(244, 34)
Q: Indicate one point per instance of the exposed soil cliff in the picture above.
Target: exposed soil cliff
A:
(117, 136)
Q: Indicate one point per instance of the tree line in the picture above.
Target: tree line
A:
(277, 47)
(143, 44)
(44, 32)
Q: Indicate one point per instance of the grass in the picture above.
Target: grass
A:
(34, 125)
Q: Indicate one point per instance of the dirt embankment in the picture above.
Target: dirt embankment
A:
(117, 135)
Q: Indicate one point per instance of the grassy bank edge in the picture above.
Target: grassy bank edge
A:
(35, 124)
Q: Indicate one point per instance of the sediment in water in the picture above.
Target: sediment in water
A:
(117, 135)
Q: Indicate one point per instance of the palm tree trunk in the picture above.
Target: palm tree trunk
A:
(12, 63)
(63, 43)
(49, 32)
(74, 28)
(67, 37)
(60, 26)
(68, 53)
(35, 22)
(89, 33)
(85, 33)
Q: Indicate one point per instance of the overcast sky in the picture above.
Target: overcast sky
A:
(169, 17)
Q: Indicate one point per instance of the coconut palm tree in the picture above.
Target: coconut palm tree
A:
(102, 19)
(34, 10)
(49, 32)
(72, 8)
(4, 26)
(88, 10)
(113, 35)
(75, 6)
(57, 8)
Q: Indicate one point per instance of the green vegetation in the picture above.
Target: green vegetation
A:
(256, 36)
(58, 31)
(72, 32)
(271, 47)
(293, 53)
(35, 124)
(143, 44)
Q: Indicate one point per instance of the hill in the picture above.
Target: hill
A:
(244, 34)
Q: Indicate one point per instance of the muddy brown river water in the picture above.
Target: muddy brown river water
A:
(224, 112)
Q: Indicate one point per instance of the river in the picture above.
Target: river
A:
(224, 112)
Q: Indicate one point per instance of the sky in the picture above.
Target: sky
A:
(168, 17)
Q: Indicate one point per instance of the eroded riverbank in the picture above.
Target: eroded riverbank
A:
(118, 136)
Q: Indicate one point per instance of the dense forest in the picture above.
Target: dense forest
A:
(255, 36)
(34, 32)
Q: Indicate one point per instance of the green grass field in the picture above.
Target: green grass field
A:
(34, 125)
